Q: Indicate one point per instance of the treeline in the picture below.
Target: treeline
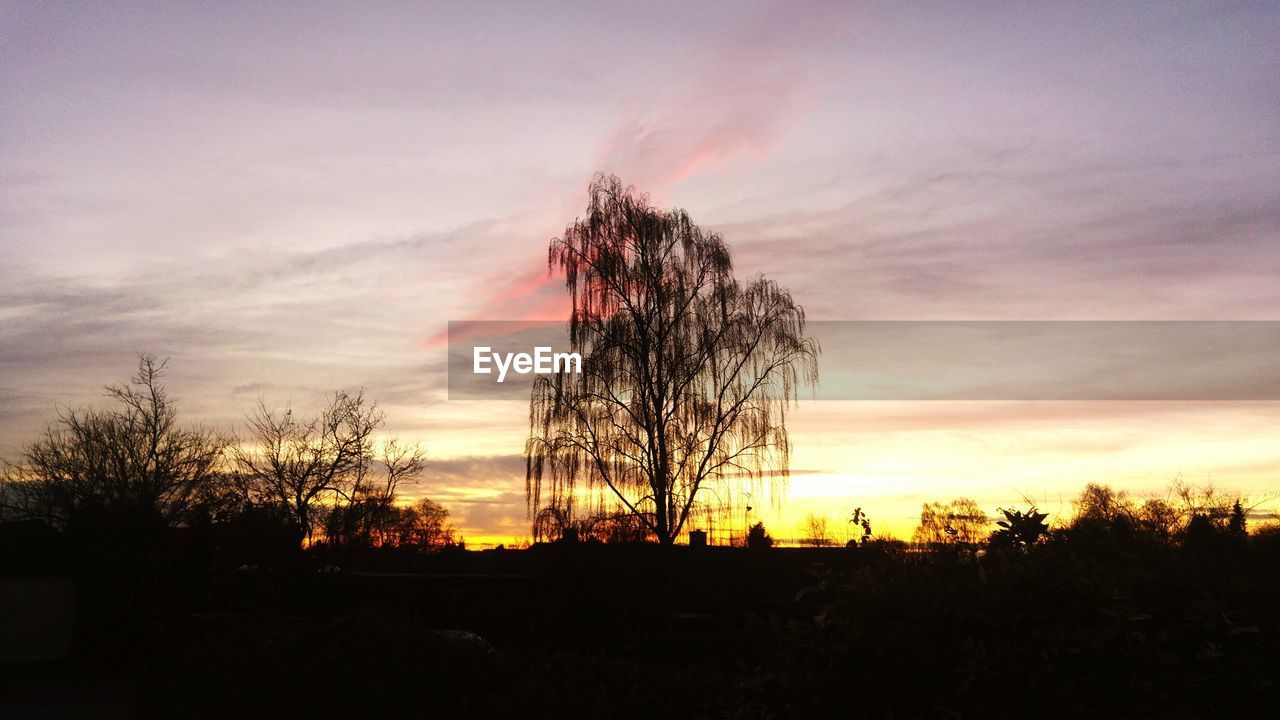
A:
(132, 467)
(1188, 514)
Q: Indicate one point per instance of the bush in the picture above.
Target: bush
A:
(758, 538)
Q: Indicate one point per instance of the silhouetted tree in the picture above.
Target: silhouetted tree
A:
(816, 533)
(959, 522)
(367, 513)
(1200, 532)
(1103, 515)
(1099, 503)
(686, 376)
(423, 526)
(1157, 520)
(1237, 526)
(132, 460)
(758, 538)
(1205, 500)
(299, 465)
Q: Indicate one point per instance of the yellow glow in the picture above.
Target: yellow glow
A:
(889, 458)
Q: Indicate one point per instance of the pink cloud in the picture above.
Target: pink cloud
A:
(521, 300)
(738, 100)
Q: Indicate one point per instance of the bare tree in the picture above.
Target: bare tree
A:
(1101, 504)
(1205, 500)
(816, 531)
(131, 458)
(686, 377)
(300, 465)
(959, 522)
(366, 513)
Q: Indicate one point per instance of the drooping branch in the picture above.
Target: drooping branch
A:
(687, 374)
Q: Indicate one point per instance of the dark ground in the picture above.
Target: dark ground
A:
(1080, 626)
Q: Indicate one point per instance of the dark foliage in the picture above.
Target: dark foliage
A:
(1138, 632)
(1020, 529)
(1063, 626)
(758, 538)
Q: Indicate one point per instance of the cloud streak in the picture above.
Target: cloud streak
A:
(736, 97)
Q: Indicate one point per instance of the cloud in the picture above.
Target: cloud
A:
(483, 493)
(287, 325)
(474, 471)
(736, 97)
(1037, 235)
(499, 515)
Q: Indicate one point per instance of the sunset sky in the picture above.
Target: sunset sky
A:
(296, 198)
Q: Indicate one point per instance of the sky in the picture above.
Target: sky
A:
(291, 199)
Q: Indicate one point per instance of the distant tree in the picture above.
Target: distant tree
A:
(1192, 500)
(367, 513)
(816, 532)
(308, 467)
(1200, 532)
(423, 526)
(1237, 526)
(1101, 504)
(686, 377)
(1103, 515)
(1158, 520)
(132, 460)
(758, 538)
(959, 522)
